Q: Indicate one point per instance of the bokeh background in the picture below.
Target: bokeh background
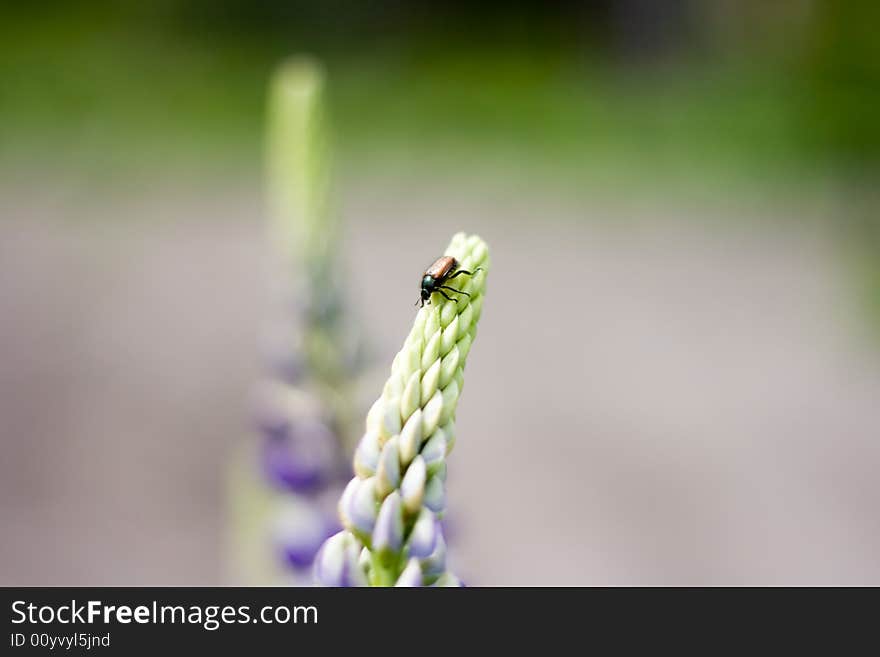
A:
(676, 379)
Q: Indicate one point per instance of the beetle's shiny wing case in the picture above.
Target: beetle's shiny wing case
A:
(441, 267)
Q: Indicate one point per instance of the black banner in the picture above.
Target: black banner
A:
(153, 620)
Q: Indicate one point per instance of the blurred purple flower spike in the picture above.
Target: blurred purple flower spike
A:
(304, 401)
(289, 369)
(297, 451)
(300, 544)
(299, 455)
(282, 467)
(301, 556)
(282, 350)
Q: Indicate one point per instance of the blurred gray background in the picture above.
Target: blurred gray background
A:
(651, 399)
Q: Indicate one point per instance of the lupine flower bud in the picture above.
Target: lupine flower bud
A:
(362, 509)
(366, 457)
(411, 438)
(434, 451)
(423, 537)
(435, 563)
(435, 495)
(337, 562)
(388, 472)
(412, 488)
(388, 533)
(365, 561)
(411, 575)
(400, 464)
(448, 580)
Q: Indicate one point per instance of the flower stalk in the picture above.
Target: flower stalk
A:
(391, 509)
(304, 404)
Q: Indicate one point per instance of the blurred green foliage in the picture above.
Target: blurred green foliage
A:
(618, 95)
(603, 93)
(842, 73)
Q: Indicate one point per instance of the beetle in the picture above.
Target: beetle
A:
(438, 274)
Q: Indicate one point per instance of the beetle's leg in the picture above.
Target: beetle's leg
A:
(439, 291)
(446, 287)
(465, 271)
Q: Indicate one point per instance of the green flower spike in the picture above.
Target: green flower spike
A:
(392, 507)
